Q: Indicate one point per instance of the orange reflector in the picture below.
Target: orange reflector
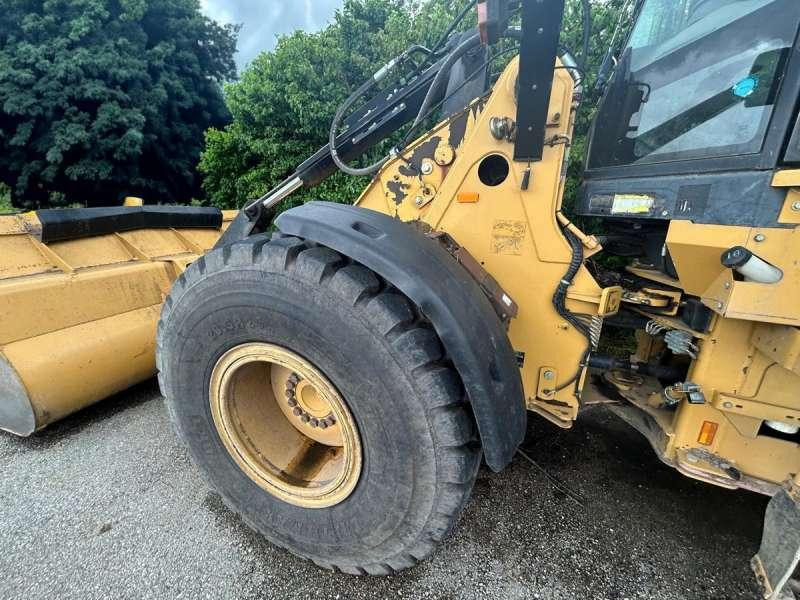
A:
(707, 433)
(468, 197)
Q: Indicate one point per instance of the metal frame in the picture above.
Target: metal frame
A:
(771, 155)
(541, 28)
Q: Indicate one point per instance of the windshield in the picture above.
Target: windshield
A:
(697, 79)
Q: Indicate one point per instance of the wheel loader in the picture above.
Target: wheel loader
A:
(340, 373)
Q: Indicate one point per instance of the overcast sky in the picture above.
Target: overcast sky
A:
(264, 20)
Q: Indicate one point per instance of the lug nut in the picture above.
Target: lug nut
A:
(297, 411)
(305, 418)
(292, 402)
(314, 422)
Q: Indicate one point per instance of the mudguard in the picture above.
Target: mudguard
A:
(447, 295)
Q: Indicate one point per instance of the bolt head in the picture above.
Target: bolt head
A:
(727, 285)
(760, 237)
(427, 168)
(549, 375)
(418, 201)
(720, 305)
(728, 405)
(796, 206)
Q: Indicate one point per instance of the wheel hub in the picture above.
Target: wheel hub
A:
(307, 405)
(285, 425)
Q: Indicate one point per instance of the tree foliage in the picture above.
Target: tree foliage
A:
(103, 98)
(5, 199)
(283, 105)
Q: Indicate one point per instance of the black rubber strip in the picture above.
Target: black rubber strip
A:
(59, 225)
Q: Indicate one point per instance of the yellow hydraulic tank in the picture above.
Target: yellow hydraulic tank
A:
(80, 296)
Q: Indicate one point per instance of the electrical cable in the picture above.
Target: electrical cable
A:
(574, 319)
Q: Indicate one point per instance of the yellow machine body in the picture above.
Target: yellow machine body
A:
(747, 365)
(78, 317)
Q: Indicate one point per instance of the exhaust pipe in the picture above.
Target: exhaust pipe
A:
(750, 266)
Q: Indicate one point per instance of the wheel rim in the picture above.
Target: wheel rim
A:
(285, 425)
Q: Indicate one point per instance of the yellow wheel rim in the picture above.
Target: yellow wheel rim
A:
(285, 425)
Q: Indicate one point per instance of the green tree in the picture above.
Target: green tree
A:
(5, 199)
(103, 98)
(284, 103)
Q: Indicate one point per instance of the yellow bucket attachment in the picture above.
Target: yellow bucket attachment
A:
(80, 297)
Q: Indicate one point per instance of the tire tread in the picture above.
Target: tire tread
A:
(392, 316)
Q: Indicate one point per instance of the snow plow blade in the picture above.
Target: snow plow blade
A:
(80, 297)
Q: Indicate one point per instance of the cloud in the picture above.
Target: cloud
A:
(263, 20)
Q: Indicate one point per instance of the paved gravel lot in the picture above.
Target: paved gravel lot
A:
(107, 505)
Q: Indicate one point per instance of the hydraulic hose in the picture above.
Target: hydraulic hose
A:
(337, 119)
(456, 22)
(464, 47)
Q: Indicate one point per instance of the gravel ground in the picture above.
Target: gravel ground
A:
(107, 504)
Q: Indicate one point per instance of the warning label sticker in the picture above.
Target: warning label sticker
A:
(507, 237)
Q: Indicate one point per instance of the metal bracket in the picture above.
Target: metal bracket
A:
(503, 304)
(693, 391)
(541, 27)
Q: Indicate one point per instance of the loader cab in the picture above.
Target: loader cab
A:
(700, 112)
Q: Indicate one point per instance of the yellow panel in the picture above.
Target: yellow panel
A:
(19, 256)
(790, 213)
(91, 252)
(68, 369)
(780, 344)
(11, 225)
(78, 318)
(697, 251)
(35, 305)
(512, 232)
(155, 243)
(786, 178)
(202, 238)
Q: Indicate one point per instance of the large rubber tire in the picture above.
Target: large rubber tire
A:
(419, 442)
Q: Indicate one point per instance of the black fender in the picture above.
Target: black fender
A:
(447, 295)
